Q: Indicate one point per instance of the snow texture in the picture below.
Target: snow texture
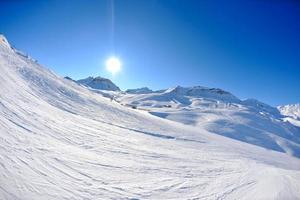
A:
(99, 83)
(143, 90)
(59, 140)
(292, 110)
(222, 113)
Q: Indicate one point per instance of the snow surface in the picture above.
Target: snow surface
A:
(291, 110)
(291, 113)
(98, 83)
(142, 90)
(222, 113)
(59, 140)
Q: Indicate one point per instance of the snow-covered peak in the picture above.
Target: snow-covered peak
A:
(99, 83)
(177, 90)
(4, 42)
(85, 80)
(200, 91)
(142, 90)
(291, 110)
(260, 106)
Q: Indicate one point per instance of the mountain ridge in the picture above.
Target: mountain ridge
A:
(99, 83)
(290, 110)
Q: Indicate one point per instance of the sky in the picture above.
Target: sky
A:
(250, 48)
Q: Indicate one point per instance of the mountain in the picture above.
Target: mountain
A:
(292, 110)
(59, 140)
(142, 90)
(69, 78)
(221, 112)
(291, 113)
(99, 83)
(199, 91)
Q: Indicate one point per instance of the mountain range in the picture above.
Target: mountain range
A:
(218, 111)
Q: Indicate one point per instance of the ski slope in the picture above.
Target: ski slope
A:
(59, 140)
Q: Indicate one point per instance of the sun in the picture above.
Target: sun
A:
(113, 65)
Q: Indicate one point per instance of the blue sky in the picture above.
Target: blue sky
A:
(250, 48)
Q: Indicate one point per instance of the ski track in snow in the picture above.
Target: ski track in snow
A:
(59, 140)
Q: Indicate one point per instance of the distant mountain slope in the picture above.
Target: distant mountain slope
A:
(143, 90)
(99, 83)
(59, 140)
(291, 113)
(220, 112)
(291, 110)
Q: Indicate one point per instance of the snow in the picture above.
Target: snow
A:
(220, 112)
(59, 140)
(291, 113)
(291, 110)
(4, 42)
(99, 83)
(142, 90)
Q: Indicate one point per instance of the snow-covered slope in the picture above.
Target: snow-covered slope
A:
(4, 42)
(292, 110)
(142, 90)
(59, 140)
(220, 112)
(291, 113)
(99, 83)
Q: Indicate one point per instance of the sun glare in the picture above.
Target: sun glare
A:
(113, 65)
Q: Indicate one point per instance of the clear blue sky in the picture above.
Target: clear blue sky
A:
(250, 48)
